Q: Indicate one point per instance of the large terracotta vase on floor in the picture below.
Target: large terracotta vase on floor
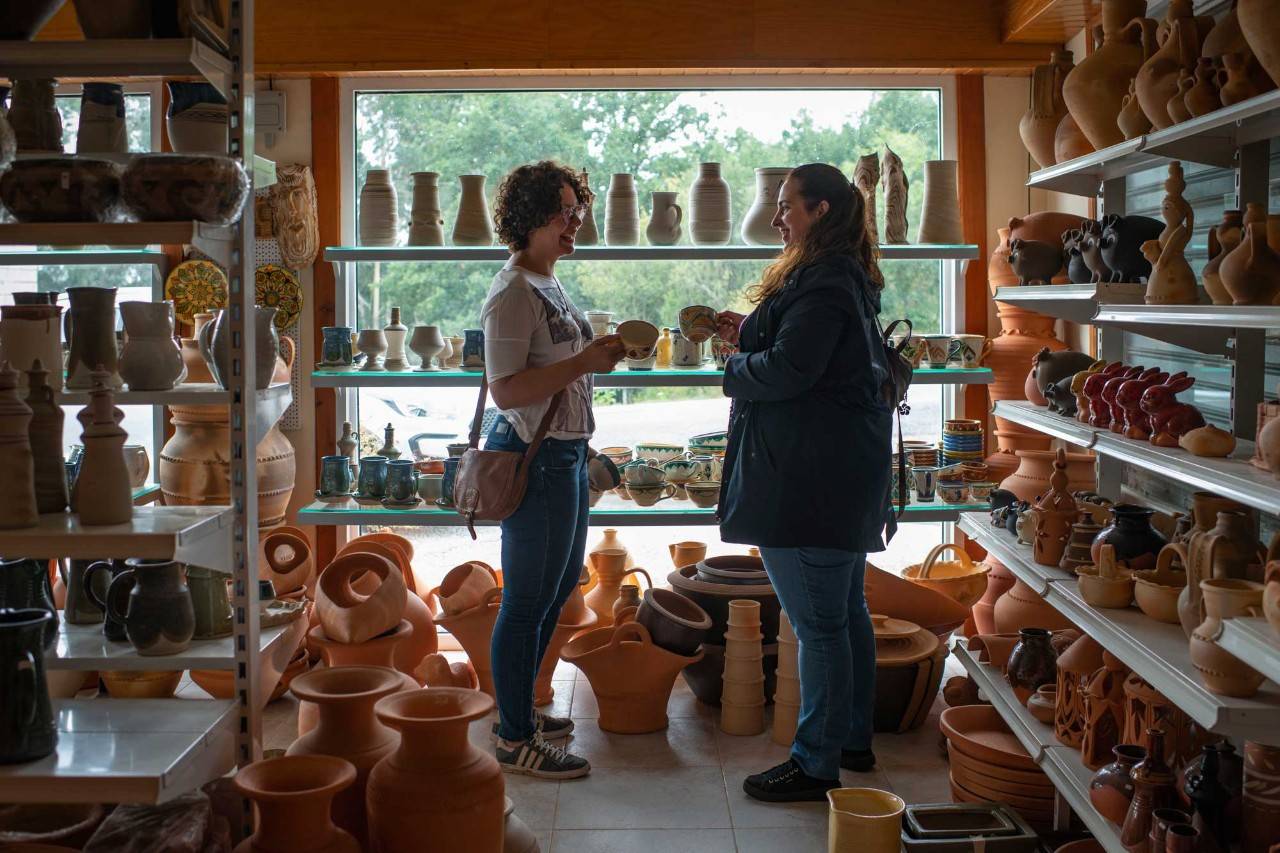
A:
(293, 795)
(346, 728)
(436, 793)
(1032, 477)
(1095, 88)
(1023, 334)
(473, 629)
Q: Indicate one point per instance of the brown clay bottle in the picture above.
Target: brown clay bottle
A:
(1153, 788)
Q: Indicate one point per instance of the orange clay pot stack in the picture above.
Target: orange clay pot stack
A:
(786, 698)
(293, 795)
(742, 699)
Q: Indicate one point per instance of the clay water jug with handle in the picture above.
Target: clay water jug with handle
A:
(1225, 551)
(1039, 125)
(1222, 672)
(1094, 89)
(609, 567)
(1179, 37)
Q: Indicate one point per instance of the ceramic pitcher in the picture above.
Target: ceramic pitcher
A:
(91, 324)
(30, 332)
(25, 584)
(1226, 551)
(159, 618)
(81, 607)
(215, 346)
(27, 729)
(664, 221)
(1222, 672)
(112, 627)
(209, 602)
(757, 225)
(609, 568)
(150, 360)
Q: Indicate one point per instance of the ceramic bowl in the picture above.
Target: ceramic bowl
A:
(697, 323)
(1116, 592)
(953, 491)
(704, 494)
(675, 622)
(979, 732)
(732, 569)
(639, 338)
(981, 492)
(659, 451)
(128, 684)
(61, 189)
(1157, 594)
(642, 474)
(620, 455)
(650, 495)
(709, 442)
(176, 187)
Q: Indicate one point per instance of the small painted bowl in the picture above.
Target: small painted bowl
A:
(703, 494)
(953, 491)
(659, 451)
(981, 492)
(709, 442)
(620, 455)
(642, 474)
(697, 323)
(962, 425)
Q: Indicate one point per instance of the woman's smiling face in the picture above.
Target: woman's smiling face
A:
(793, 219)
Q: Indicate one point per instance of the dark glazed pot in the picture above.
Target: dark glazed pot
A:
(160, 619)
(25, 584)
(1210, 797)
(732, 569)
(1111, 789)
(27, 731)
(1131, 534)
(1032, 663)
(1180, 838)
(112, 627)
(675, 623)
(714, 599)
(1230, 774)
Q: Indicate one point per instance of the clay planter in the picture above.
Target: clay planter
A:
(543, 691)
(349, 617)
(293, 795)
(346, 728)
(630, 676)
(423, 641)
(674, 622)
(1221, 671)
(714, 599)
(436, 790)
(474, 630)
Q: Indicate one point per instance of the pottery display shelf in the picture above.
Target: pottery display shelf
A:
(1212, 140)
(127, 751)
(83, 647)
(191, 534)
(213, 240)
(264, 170)
(1060, 763)
(611, 510)
(270, 403)
(896, 252)
(85, 257)
(1252, 640)
(1232, 477)
(97, 59)
(706, 376)
(1156, 651)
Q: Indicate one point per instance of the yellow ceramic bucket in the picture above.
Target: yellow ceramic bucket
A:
(865, 820)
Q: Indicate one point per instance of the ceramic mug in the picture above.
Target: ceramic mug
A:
(981, 492)
(336, 348)
(968, 351)
(402, 481)
(639, 338)
(703, 494)
(458, 448)
(372, 482)
(953, 491)
(641, 473)
(925, 479)
(721, 350)
(473, 348)
(335, 476)
(430, 487)
(937, 348)
(650, 495)
(913, 351)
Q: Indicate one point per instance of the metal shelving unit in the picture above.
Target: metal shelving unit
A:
(118, 59)
(84, 647)
(84, 257)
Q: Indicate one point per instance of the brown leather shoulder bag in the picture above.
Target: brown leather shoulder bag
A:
(490, 484)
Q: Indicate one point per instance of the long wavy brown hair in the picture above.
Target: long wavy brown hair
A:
(842, 230)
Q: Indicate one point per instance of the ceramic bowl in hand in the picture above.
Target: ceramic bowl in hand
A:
(639, 338)
(697, 323)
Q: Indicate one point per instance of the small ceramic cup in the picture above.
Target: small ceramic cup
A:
(968, 350)
(336, 349)
(650, 495)
(601, 322)
(642, 474)
(953, 491)
(430, 487)
(936, 350)
(703, 494)
(914, 350)
(402, 481)
(981, 492)
(698, 323)
(639, 338)
(680, 471)
(373, 477)
(335, 476)
(925, 480)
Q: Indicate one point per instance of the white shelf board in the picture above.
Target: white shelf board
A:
(213, 240)
(1231, 477)
(1004, 547)
(369, 254)
(127, 751)
(1252, 641)
(271, 403)
(1077, 303)
(1200, 316)
(192, 534)
(83, 257)
(84, 647)
(1084, 175)
(115, 59)
(1060, 763)
(1157, 651)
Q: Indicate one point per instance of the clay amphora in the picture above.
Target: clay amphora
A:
(609, 567)
(1261, 30)
(436, 791)
(27, 730)
(215, 346)
(294, 794)
(344, 697)
(1221, 671)
(45, 436)
(18, 506)
(1153, 784)
(1158, 79)
(91, 324)
(1251, 273)
(28, 333)
(1069, 142)
(1040, 123)
(1234, 81)
(1203, 98)
(150, 360)
(426, 225)
(159, 619)
(1094, 88)
(1177, 106)
(622, 213)
(709, 207)
(1132, 121)
(103, 492)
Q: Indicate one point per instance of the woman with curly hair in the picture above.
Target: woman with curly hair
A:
(805, 473)
(539, 347)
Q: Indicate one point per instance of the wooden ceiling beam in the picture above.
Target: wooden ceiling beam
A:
(1045, 21)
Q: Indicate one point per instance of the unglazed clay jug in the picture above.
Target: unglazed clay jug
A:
(1069, 142)
(436, 791)
(622, 212)
(709, 207)
(1158, 79)
(1094, 88)
(45, 435)
(103, 491)
(159, 618)
(18, 498)
(27, 730)
(293, 794)
(1261, 27)
(1222, 672)
(664, 220)
(1225, 551)
(378, 209)
(474, 226)
(92, 333)
(215, 346)
(150, 360)
(757, 226)
(940, 213)
(1251, 273)
(344, 697)
(609, 568)
(1039, 125)
(426, 225)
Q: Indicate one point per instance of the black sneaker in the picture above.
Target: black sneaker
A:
(787, 783)
(551, 728)
(858, 760)
(536, 757)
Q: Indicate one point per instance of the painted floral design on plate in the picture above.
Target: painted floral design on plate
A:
(278, 288)
(196, 287)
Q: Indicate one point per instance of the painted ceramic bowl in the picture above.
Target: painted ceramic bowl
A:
(709, 442)
(659, 451)
(620, 455)
(640, 338)
(642, 474)
(698, 323)
(703, 494)
(963, 425)
(61, 189)
(953, 491)
(981, 492)
(176, 187)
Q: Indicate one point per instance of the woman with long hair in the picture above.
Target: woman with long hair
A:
(806, 473)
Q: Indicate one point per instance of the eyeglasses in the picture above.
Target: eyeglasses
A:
(577, 211)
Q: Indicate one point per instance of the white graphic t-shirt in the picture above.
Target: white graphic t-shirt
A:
(528, 321)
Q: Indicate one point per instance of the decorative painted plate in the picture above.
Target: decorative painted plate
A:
(278, 288)
(196, 287)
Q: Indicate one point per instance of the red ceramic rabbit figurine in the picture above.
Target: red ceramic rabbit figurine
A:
(1084, 408)
(1099, 411)
(1129, 399)
(1114, 418)
(1170, 419)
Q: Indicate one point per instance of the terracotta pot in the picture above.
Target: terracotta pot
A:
(1136, 542)
(630, 676)
(999, 272)
(133, 684)
(1045, 227)
(438, 672)
(293, 795)
(674, 622)
(609, 568)
(543, 691)
(1251, 273)
(1020, 607)
(1111, 789)
(1031, 663)
(1261, 825)
(980, 733)
(1035, 467)
(423, 641)
(379, 651)
(1070, 142)
(714, 599)
(1039, 125)
(1222, 672)
(346, 728)
(999, 581)
(1157, 81)
(1262, 32)
(346, 615)
(1094, 89)
(474, 630)
(436, 789)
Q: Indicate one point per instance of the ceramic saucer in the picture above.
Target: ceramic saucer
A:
(366, 498)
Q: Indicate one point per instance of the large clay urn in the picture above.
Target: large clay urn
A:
(1032, 477)
(1261, 27)
(999, 581)
(1095, 88)
(1021, 607)
(293, 795)
(1039, 124)
(436, 792)
(346, 728)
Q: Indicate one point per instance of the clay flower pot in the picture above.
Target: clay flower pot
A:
(543, 692)
(630, 676)
(346, 728)
(348, 616)
(465, 586)
(436, 785)
(674, 622)
(473, 629)
(293, 795)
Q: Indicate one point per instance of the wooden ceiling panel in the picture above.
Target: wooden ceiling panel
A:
(1046, 21)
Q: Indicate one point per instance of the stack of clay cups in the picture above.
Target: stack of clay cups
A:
(786, 697)
(742, 700)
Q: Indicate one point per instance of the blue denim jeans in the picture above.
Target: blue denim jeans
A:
(543, 545)
(821, 591)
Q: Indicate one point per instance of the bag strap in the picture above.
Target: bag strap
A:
(542, 427)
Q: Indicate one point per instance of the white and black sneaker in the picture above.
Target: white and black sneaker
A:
(551, 728)
(536, 757)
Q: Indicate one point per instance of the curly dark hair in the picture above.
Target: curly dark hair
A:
(530, 195)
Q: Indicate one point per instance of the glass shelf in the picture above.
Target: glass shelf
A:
(898, 252)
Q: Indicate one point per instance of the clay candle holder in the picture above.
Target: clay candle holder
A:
(346, 615)
(473, 629)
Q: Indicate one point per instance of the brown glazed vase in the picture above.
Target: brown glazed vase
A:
(436, 791)
(1153, 788)
(1261, 797)
(293, 795)
(1031, 663)
(346, 728)
(1094, 89)
(1111, 789)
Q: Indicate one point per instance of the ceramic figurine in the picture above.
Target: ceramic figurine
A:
(1039, 124)
(1033, 261)
(1094, 388)
(102, 493)
(1054, 514)
(395, 333)
(294, 215)
(1208, 441)
(1111, 391)
(1060, 397)
(893, 179)
(1122, 239)
(1077, 270)
(1078, 383)
(1048, 367)
(18, 506)
(1132, 121)
(1091, 250)
(1170, 419)
(1136, 422)
(45, 435)
(1094, 89)
(866, 175)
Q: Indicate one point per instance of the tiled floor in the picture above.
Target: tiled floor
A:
(680, 790)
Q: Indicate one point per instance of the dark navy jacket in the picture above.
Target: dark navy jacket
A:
(807, 463)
